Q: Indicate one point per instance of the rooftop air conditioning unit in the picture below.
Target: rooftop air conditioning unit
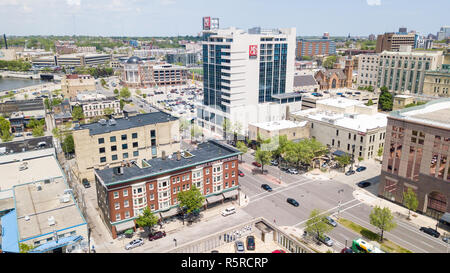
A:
(102, 121)
(51, 221)
(27, 218)
(38, 186)
(112, 122)
(65, 198)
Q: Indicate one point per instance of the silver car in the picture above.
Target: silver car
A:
(331, 221)
(134, 243)
(239, 247)
(326, 240)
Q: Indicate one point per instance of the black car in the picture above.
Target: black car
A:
(361, 168)
(350, 172)
(430, 231)
(364, 184)
(250, 242)
(86, 183)
(293, 202)
(266, 187)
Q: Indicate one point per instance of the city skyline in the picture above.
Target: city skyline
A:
(140, 18)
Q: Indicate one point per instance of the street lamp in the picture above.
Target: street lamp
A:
(339, 203)
(353, 155)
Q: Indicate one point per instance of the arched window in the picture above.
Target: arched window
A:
(333, 84)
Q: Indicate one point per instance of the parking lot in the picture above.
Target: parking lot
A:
(260, 247)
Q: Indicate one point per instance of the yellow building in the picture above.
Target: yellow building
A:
(72, 84)
(267, 130)
(111, 143)
(437, 83)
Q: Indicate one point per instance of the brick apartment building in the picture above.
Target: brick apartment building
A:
(124, 192)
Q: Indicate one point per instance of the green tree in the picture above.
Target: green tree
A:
(116, 92)
(144, 95)
(103, 82)
(386, 101)
(329, 62)
(68, 144)
(380, 152)
(24, 248)
(410, 201)
(5, 130)
(242, 148)
(191, 200)
(38, 131)
(47, 104)
(383, 219)
(263, 158)
(317, 224)
(125, 93)
(147, 220)
(77, 113)
(108, 111)
(360, 159)
(196, 131)
(344, 160)
(184, 125)
(226, 127)
(369, 103)
(138, 92)
(282, 142)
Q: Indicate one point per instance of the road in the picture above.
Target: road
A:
(322, 195)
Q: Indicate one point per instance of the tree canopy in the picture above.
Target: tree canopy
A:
(317, 223)
(410, 201)
(77, 113)
(383, 219)
(191, 200)
(263, 157)
(147, 219)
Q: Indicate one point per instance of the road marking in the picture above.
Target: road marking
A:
(405, 225)
(387, 233)
(343, 204)
(277, 192)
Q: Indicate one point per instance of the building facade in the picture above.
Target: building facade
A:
(444, 33)
(72, 84)
(94, 105)
(109, 143)
(292, 130)
(404, 71)
(312, 48)
(392, 41)
(416, 157)
(241, 74)
(437, 83)
(336, 78)
(367, 70)
(343, 124)
(124, 192)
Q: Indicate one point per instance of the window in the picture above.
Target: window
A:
(102, 159)
(117, 216)
(113, 148)
(114, 157)
(134, 135)
(124, 137)
(152, 197)
(116, 194)
(112, 139)
(124, 146)
(153, 133)
(136, 153)
(116, 205)
(125, 155)
(150, 186)
(101, 150)
(101, 140)
(232, 165)
(207, 171)
(135, 144)
(174, 190)
(125, 193)
(207, 180)
(127, 214)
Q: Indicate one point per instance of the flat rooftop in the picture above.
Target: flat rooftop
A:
(279, 125)
(39, 205)
(434, 113)
(357, 122)
(25, 145)
(125, 124)
(42, 166)
(339, 102)
(205, 152)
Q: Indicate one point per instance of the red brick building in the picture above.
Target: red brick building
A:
(335, 78)
(124, 192)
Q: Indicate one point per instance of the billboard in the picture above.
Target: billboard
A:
(206, 23)
(253, 51)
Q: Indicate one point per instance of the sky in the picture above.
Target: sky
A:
(184, 17)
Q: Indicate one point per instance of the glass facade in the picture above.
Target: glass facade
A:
(272, 71)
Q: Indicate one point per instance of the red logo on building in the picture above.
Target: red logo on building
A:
(206, 23)
(253, 51)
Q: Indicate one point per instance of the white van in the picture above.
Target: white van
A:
(228, 211)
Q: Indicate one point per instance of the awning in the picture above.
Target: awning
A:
(124, 226)
(214, 198)
(170, 213)
(53, 244)
(229, 194)
(445, 218)
(339, 153)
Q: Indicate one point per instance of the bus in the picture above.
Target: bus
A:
(361, 246)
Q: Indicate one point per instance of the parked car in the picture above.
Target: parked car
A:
(279, 251)
(361, 169)
(239, 245)
(29, 134)
(350, 172)
(134, 243)
(214, 251)
(229, 211)
(250, 242)
(430, 231)
(325, 239)
(293, 202)
(446, 239)
(86, 183)
(364, 184)
(240, 173)
(274, 163)
(157, 235)
(256, 164)
(266, 187)
(293, 171)
(347, 250)
(331, 221)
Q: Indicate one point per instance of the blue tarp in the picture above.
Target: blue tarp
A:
(53, 244)
(10, 238)
(339, 153)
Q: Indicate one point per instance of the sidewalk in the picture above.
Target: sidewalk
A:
(298, 233)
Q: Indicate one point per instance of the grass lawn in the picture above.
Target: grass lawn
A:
(387, 246)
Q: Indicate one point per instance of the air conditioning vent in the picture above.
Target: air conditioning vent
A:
(51, 221)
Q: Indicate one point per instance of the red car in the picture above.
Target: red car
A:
(347, 250)
(157, 235)
(256, 164)
(279, 251)
(241, 174)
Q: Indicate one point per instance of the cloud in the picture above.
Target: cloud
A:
(374, 2)
(73, 2)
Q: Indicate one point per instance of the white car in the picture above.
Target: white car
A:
(293, 171)
(134, 243)
(228, 211)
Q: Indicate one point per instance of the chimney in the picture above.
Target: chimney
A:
(178, 156)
